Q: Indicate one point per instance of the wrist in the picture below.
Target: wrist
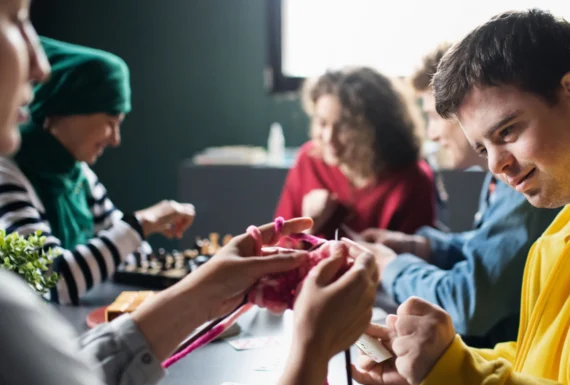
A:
(144, 222)
(421, 247)
(308, 341)
(306, 364)
(168, 318)
(135, 223)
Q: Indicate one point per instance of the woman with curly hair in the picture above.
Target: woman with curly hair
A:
(361, 167)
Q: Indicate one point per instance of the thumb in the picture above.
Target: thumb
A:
(328, 269)
(276, 263)
(391, 321)
(380, 331)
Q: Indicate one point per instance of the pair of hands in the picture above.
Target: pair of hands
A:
(319, 324)
(168, 218)
(418, 336)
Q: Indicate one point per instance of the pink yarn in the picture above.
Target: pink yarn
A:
(277, 292)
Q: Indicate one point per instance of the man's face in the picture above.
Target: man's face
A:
(525, 139)
(447, 132)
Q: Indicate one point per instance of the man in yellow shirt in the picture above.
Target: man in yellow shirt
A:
(508, 85)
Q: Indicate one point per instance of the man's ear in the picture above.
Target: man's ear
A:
(565, 83)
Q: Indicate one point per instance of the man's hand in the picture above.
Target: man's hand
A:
(423, 333)
(370, 372)
(399, 242)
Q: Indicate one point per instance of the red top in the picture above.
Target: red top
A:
(403, 200)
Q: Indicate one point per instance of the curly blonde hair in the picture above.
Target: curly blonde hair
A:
(383, 128)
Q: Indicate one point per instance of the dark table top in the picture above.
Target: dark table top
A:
(219, 362)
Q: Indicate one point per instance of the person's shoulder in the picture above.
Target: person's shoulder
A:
(10, 172)
(424, 169)
(307, 151)
(14, 181)
(307, 155)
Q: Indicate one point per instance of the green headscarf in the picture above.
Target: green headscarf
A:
(83, 81)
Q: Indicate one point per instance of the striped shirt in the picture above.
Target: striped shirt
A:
(85, 265)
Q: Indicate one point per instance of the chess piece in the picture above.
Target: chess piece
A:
(214, 243)
(169, 262)
(205, 249)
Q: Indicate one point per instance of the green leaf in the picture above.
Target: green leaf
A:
(26, 257)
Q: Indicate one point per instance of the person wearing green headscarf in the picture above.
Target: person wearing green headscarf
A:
(49, 186)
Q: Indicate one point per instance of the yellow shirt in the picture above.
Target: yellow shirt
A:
(541, 354)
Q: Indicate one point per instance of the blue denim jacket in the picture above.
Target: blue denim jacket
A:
(476, 276)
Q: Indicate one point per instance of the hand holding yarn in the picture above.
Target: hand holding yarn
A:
(229, 275)
(334, 307)
(278, 291)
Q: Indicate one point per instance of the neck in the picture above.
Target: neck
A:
(357, 179)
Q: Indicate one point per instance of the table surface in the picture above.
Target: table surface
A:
(218, 362)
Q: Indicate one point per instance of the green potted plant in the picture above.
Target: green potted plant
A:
(26, 257)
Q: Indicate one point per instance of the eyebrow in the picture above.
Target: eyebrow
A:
(500, 124)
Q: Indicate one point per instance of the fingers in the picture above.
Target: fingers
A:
(363, 257)
(272, 250)
(327, 270)
(365, 362)
(247, 245)
(381, 332)
(275, 263)
(417, 306)
(358, 276)
(174, 212)
(403, 345)
(391, 321)
(291, 226)
(363, 376)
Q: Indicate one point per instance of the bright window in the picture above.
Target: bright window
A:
(391, 36)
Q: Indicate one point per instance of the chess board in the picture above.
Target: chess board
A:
(162, 268)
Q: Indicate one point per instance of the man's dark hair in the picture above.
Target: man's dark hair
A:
(527, 49)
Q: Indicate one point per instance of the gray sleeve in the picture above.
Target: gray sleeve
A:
(122, 353)
(39, 346)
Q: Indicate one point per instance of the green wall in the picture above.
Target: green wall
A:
(197, 78)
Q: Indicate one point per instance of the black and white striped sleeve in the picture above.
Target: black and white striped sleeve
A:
(79, 268)
(106, 214)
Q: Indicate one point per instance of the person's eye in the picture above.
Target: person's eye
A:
(481, 151)
(506, 132)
